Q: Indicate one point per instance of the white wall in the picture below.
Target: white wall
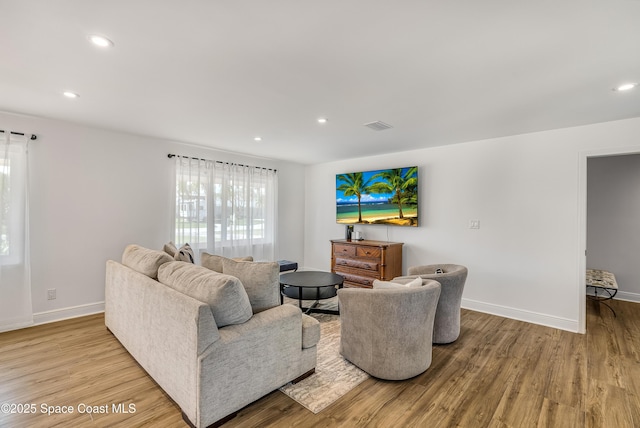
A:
(95, 191)
(613, 220)
(524, 261)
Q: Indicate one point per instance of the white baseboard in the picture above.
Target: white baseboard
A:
(15, 324)
(627, 296)
(522, 315)
(67, 313)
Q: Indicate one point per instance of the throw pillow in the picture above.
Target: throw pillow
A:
(224, 294)
(214, 262)
(417, 282)
(184, 254)
(261, 280)
(144, 260)
(170, 248)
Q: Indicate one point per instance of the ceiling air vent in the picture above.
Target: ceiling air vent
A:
(378, 126)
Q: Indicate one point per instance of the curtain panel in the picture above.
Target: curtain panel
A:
(225, 209)
(15, 279)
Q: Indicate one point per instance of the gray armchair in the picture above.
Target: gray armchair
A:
(446, 327)
(388, 332)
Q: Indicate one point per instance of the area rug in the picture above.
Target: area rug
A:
(334, 375)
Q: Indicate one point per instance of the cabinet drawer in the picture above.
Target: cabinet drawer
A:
(348, 270)
(359, 264)
(353, 285)
(344, 250)
(359, 280)
(373, 252)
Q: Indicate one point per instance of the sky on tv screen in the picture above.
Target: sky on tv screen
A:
(370, 198)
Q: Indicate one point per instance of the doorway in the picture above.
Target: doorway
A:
(583, 223)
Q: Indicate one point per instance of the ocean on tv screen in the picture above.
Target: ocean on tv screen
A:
(376, 213)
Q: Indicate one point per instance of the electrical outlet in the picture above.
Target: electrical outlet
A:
(51, 294)
(474, 224)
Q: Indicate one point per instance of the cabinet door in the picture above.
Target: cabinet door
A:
(369, 252)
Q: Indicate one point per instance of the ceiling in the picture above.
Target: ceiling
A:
(219, 73)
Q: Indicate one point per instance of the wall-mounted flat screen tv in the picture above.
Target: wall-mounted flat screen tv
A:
(384, 196)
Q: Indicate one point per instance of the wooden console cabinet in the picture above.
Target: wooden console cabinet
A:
(360, 262)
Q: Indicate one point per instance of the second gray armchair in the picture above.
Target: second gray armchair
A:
(452, 278)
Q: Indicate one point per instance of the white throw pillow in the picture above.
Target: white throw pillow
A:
(390, 284)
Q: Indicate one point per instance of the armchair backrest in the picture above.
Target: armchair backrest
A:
(388, 332)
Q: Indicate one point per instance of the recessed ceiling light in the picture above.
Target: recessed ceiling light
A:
(257, 138)
(625, 87)
(101, 41)
(322, 120)
(70, 94)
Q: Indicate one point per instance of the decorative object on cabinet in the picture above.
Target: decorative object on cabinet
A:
(348, 231)
(361, 262)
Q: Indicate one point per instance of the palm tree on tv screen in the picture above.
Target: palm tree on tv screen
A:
(354, 184)
(402, 185)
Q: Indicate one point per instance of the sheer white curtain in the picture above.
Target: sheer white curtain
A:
(15, 282)
(226, 209)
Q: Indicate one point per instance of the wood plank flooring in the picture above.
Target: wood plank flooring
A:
(500, 373)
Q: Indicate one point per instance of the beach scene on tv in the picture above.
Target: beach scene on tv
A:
(386, 196)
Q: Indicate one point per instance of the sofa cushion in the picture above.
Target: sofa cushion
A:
(261, 280)
(417, 282)
(223, 293)
(144, 260)
(310, 331)
(214, 262)
(184, 254)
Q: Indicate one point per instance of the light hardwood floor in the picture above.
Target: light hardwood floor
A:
(500, 373)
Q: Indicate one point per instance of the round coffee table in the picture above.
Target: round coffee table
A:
(310, 285)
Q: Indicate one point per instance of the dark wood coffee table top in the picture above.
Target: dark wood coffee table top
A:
(311, 279)
(310, 285)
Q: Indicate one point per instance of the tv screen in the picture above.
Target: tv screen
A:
(384, 196)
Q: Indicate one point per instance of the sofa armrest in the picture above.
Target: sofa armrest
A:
(163, 329)
(250, 360)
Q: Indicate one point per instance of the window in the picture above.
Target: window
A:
(225, 209)
(15, 283)
(12, 199)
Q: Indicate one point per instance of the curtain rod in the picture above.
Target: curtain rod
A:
(33, 136)
(171, 155)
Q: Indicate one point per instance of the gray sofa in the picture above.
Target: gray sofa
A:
(197, 335)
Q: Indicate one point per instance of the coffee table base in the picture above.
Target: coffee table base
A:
(316, 293)
(316, 310)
